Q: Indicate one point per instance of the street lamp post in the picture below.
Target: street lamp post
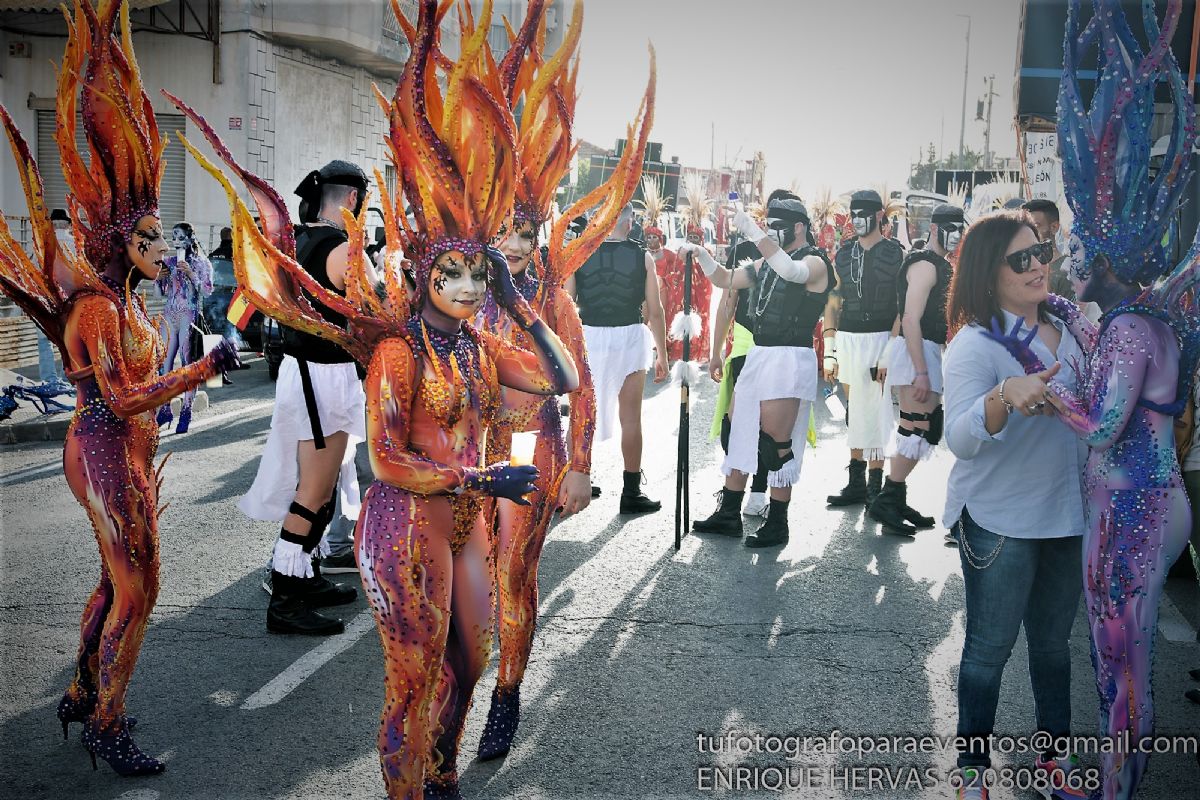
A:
(962, 130)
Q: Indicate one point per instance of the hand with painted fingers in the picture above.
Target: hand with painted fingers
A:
(920, 387)
(224, 357)
(503, 480)
(1029, 394)
(575, 493)
(716, 369)
(505, 290)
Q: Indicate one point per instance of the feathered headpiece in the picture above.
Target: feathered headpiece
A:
(106, 197)
(542, 94)
(653, 205)
(611, 196)
(454, 152)
(695, 191)
(1120, 210)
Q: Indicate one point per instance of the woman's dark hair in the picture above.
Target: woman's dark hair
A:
(973, 288)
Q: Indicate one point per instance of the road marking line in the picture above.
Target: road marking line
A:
(56, 466)
(303, 668)
(1172, 624)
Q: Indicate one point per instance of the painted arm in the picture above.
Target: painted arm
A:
(550, 370)
(1082, 328)
(1112, 383)
(583, 401)
(99, 328)
(202, 269)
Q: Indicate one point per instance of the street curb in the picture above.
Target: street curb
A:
(37, 430)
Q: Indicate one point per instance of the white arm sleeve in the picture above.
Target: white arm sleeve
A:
(789, 270)
(707, 263)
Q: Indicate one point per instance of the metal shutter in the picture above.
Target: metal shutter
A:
(171, 205)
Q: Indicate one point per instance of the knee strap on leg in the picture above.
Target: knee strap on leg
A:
(936, 420)
(317, 521)
(726, 426)
(768, 452)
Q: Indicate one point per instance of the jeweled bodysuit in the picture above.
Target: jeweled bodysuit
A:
(520, 531)
(426, 420)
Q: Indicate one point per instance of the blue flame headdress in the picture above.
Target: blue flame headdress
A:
(1120, 210)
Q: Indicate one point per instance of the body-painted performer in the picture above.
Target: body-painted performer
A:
(433, 385)
(307, 472)
(564, 468)
(860, 322)
(1135, 377)
(778, 384)
(185, 280)
(915, 369)
(85, 303)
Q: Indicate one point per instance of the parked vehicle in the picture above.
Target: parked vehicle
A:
(216, 306)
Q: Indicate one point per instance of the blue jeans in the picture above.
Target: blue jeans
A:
(47, 369)
(1009, 582)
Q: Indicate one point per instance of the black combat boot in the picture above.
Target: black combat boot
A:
(774, 531)
(632, 499)
(727, 519)
(874, 484)
(856, 490)
(290, 612)
(888, 509)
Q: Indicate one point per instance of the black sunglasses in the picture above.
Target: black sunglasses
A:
(1019, 261)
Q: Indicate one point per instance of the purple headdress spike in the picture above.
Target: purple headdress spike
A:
(1120, 210)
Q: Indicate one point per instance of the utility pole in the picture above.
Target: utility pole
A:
(987, 132)
(962, 130)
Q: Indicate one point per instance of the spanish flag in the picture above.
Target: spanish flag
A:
(240, 310)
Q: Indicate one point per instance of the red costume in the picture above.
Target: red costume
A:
(670, 278)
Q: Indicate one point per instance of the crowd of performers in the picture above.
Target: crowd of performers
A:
(460, 337)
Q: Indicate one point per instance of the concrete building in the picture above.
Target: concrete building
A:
(288, 85)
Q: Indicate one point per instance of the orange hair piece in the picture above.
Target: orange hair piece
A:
(454, 153)
(118, 188)
(611, 196)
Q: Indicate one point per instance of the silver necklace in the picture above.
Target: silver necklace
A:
(858, 257)
(764, 298)
(332, 224)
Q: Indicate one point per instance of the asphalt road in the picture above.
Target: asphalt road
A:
(640, 648)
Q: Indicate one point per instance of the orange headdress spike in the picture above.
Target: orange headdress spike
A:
(611, 196)
(121, 184)
(545, 93)
(454, 153)
(118, 187)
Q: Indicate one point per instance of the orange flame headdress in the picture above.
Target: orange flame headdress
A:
(108, 197)
(454, 153)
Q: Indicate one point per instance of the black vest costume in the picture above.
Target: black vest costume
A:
(741, 312)
(933, 320)
(610, 287)
(785, 312)
(868, 295)
(313, 246)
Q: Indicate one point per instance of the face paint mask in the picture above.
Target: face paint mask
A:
(777, 229)
(863, 225)
(949, 236)
(457, 284)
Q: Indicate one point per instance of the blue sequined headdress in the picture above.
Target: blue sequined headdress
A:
(1120, 210)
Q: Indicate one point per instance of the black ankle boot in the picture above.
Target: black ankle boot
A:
(632, 499)
(874, 484)
(917, 519)
(855, 491)
(888, 509)
(115, 746)
(290, 612)
(502, 719)
(320, 592)
(774, 531)
(727, 519)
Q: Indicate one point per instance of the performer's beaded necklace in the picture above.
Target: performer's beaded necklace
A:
(460, 381)
(858, 257)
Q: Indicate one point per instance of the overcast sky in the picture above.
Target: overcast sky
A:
(842, 94)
